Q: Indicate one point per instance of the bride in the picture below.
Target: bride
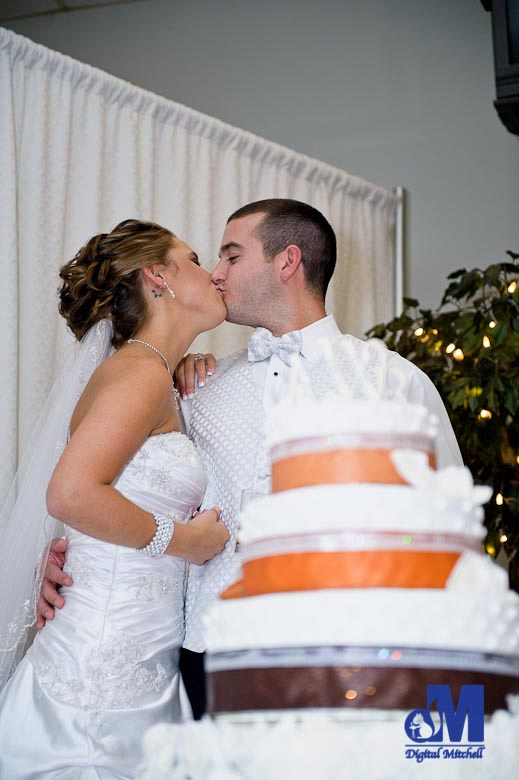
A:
(126, 487)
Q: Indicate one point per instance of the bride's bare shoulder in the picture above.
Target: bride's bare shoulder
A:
(125, 385)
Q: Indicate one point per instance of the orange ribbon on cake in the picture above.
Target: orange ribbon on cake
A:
(343, 569)
(337, 467)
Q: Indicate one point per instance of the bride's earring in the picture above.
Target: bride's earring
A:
(168, 288)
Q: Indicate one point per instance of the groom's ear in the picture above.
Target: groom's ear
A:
(290, 262)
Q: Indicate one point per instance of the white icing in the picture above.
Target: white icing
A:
(414, 467)
(452, 618)
(363, 508)
(289, 420)
(478, 574)
(311, 744)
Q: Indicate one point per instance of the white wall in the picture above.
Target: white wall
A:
(396, 91)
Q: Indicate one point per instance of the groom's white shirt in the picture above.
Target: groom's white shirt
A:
(226, 423)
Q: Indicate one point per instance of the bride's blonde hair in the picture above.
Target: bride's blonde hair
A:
(104, 280)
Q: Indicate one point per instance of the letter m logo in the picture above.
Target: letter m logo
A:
(470, 708)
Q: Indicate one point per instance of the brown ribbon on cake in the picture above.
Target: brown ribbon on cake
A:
(337, 467)
(343, 569)
(283, 688)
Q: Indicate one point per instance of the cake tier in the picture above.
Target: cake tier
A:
(326, 744)
(352, 677)
(389, 420)
(354, 536)
(455, 619)
(340, 442)
(362, 508)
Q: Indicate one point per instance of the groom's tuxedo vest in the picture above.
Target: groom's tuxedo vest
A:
(227, 426)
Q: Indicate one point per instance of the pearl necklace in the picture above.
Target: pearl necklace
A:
(176, 394)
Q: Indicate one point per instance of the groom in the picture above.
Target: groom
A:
(277, 257)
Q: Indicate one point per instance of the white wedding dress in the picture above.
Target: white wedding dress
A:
(106, 668)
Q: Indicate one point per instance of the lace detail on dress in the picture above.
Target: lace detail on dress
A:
(155, 587)
(110, 677)
(156, 474)
(142, 468)
(79, 569)
(178, 444)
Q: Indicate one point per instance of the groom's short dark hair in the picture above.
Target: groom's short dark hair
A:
(293, 222)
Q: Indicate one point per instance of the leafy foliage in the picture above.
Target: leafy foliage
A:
(469, 348)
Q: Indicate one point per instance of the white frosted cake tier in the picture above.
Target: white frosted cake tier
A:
(486, 620)
(319, 745)
(302, 419)
(362, 508)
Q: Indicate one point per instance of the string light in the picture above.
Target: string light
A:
(517, 460)
(485, 414)
(491, 550)
(503, 538)
(419, 332)
(486, 342)
(458, 354)
(512, 287)
(499, 499)
(450, 348)
(491, 324)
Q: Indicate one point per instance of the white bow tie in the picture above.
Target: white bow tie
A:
(263, 344)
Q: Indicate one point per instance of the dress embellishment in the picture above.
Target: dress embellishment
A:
(79, 569)
(110, 677)
(156, 588)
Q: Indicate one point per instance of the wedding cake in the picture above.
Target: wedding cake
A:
(367, 636)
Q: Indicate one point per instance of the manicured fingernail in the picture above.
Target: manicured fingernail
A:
(209, 373)
(184, 397)
(201, 384)
(190, 395)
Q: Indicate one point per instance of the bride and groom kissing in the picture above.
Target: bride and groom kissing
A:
(142, 564)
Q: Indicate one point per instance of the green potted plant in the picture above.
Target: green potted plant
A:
(469, 347)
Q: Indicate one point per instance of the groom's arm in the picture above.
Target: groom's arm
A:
(418, 389)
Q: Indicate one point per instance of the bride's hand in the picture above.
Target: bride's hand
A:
(201, 539)
(191, 368)
(54, 577)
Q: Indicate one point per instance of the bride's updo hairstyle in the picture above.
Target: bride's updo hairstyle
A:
(103, 279)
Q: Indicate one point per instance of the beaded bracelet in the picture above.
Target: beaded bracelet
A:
(163, 535)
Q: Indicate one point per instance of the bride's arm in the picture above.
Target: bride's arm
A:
(126, 408)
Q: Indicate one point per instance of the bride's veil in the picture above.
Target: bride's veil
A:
(26, 529)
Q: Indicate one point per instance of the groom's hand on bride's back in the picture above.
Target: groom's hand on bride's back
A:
(54, 577)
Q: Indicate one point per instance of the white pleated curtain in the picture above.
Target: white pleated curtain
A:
(81, 150)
